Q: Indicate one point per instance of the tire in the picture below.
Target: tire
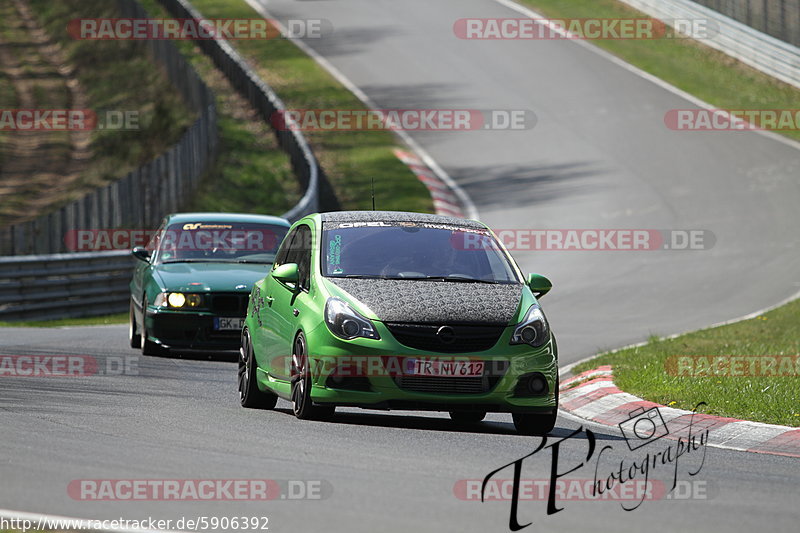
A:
(467, 417)
(302, 405)
(537, 424)
(134, 338)
(250, 395)
(149, 347)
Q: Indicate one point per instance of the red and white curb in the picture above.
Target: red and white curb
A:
(445, 200)
(597, 399)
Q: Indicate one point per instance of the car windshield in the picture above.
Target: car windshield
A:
(420, 251)
(226, 242)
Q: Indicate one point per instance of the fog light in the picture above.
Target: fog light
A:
(537, 385)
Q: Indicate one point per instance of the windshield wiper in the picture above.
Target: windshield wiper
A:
(453, 278)
(254, 262)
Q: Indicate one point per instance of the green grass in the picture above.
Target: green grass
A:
(643, 371)
(121, 318)
(350, 159)
(251, 174)
(699, 70)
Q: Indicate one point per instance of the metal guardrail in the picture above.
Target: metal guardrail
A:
(264, 100)
(772, 56)
(779, 18)
(46, 287)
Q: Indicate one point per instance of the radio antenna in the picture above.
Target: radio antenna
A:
(373, 193)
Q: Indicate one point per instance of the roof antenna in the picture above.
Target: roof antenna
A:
(373, 193)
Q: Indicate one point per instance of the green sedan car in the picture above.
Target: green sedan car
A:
(392, 310)
(191, 284)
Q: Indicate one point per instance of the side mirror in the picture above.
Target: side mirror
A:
(286, 273)
(539, 285)
(141, 254)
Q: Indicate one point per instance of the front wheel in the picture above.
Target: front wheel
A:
(134, 338)
(149, 347)
(302, 405)
(249, 394)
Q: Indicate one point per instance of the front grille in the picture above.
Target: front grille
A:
(447, 385)
(466, 338)
(229, 305)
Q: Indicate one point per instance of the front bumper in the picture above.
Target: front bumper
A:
(191, 330)
(377, 384)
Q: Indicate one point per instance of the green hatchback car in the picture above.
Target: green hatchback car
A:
(191, 284)
(393, 310)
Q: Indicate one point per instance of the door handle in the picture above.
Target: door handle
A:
(295, 311)
(269, 300)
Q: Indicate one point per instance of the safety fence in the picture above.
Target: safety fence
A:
(734, 36)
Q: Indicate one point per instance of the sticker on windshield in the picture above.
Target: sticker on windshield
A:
(335, 254)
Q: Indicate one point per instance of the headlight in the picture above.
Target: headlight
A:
(533, 329)
(345, 322)
(178, 300)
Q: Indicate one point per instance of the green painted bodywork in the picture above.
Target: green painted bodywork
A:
(277, 312)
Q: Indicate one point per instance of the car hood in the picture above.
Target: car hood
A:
(216, 277)
(435, 302)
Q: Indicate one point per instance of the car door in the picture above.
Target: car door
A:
(143, 271)
(276, 334)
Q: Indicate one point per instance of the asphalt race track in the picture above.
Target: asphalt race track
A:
(599, 157)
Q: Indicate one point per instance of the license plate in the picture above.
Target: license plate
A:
(433, 367)
(225, 324)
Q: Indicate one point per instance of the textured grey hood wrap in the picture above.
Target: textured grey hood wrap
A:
(435, 302)
(397, 216)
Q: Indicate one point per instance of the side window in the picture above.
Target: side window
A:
(282, 256)
(303, 257)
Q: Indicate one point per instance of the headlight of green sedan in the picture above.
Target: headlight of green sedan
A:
(533, 329)
(345, 322)
(178, 300)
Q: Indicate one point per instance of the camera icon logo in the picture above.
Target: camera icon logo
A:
(643, 427)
